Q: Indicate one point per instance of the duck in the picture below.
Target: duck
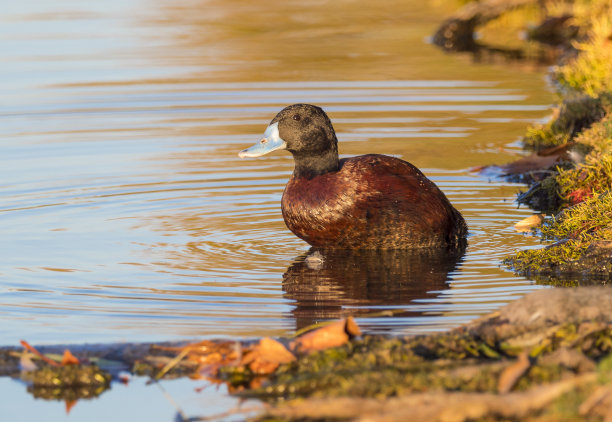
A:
(370, 201)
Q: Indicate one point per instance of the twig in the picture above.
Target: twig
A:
(37, 353)
(175, 361)
(168, 397)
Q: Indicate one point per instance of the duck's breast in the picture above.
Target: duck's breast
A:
(372, 201)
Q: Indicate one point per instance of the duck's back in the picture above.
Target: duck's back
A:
(372, 201)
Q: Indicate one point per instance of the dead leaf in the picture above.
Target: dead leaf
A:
(69, 358)
(528, 223)
(266, 356)
(332, 335)
(208, 355)
(510, 376)
(559, 150)
(530, 163)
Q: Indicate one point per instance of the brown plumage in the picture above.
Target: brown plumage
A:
(366, 202)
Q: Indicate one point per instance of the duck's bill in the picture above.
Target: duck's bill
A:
(270, 142)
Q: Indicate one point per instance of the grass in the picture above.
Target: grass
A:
(583, 121)
(575, 114)
(590, 71)
(575, 230)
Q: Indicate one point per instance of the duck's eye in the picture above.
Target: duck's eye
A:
(297, 117)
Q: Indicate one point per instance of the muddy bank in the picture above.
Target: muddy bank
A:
(545, 355)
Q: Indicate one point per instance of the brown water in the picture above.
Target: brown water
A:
(126, 214)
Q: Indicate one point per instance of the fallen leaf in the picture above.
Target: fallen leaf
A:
(208, 355)
(266, 356)
(332, 335)
(528, 223)
(69, 358)
(510, 376)
(530, 163)
(559, 150)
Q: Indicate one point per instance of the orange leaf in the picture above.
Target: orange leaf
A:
(528, 223)
(37, 353)
(332, 335)
(266, 356)
(69, 358)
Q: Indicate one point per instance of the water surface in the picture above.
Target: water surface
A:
(126, 214)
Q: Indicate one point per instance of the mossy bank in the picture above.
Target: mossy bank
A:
(571, 155)
(577, 190)
(547, 356)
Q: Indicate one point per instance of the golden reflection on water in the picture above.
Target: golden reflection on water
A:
(126, 208)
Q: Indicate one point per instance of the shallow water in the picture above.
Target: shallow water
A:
(127, 215)
(136, 401)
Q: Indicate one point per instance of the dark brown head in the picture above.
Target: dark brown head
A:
(307, 133)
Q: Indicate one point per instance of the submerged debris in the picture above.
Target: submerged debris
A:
(68, 379)
(68, 382)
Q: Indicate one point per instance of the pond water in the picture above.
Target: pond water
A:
(126, 214)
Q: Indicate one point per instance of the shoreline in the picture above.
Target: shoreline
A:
(569, 169)
(546, 355)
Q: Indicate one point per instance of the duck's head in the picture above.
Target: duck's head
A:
(307, 133)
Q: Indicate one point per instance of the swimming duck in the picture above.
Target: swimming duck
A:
(370, 201)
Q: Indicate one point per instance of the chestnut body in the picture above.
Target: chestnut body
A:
(367, 202)
(373, 202)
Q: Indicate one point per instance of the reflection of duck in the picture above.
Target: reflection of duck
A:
(324, 283)
(366, 202)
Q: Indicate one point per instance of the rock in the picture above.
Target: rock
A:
(598, 254)
(545, 308)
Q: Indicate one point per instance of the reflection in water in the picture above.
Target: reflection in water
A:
(333, 284)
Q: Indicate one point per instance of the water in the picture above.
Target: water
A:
(126, 214)
(135, 401)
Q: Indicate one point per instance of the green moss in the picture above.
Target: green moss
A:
(456, 361)
(67, 376)
(576, 230)
(584, 220)
(591, 70)
(383, 367)
(565, 408)
(576, 113)
(583, 121)
(594, 174)
(587, 187)
(540, 374)
(67, 382)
